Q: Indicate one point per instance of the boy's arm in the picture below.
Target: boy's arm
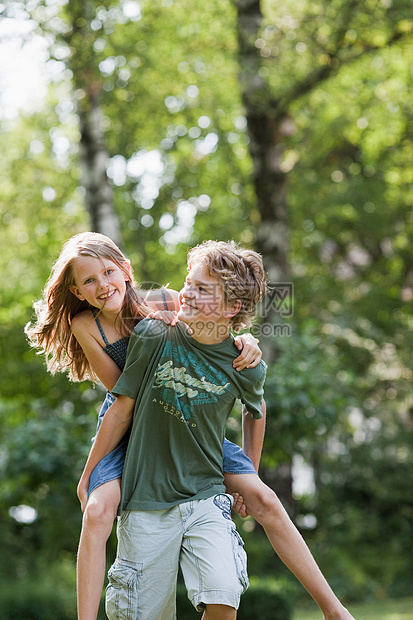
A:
(253, 432)
(115, 423)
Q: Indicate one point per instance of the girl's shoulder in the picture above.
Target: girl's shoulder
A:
(87, 332)
(161, 299)
(82, 322)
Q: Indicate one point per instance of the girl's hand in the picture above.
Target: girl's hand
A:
(82, 492)
(239, 506)
(250, 352)
(167, 316)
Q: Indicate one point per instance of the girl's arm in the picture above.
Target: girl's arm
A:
(102, 365)
(253, 432)
(156, 299)
(115, 423)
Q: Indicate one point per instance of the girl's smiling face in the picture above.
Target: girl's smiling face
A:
(100, 282)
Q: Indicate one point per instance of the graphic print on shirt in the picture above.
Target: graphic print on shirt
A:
(184, 381)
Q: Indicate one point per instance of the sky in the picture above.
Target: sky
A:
(23, 55)
(23, 78)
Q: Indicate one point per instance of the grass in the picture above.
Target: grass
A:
(380, 610)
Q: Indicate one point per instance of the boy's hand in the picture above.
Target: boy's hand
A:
(239, 506)
(250, 352)
(169, 317)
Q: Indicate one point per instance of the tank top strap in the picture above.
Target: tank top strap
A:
(102, 333)
(165, 303)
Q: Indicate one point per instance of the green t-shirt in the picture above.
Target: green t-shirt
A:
(184, 393)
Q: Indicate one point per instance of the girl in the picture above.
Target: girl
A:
(83, 323)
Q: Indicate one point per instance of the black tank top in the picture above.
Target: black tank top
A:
(117, 350)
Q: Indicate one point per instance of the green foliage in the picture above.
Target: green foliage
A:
(371, 514)
(305, 397)
(48, 593)
(340, 391)
(266, 599)
(42, 457)
(385, 609)
(186, 162)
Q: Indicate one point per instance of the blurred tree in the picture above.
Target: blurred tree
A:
(288, 55)
(319, 136)
(42, 439)
(72, 34)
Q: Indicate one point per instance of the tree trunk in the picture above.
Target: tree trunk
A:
(88, 85)
(267, 128)
(94, 157)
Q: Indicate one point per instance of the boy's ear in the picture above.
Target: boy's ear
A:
(75, 291)
(231, 311)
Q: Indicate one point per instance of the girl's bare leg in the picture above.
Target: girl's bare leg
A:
(97, 525)
(265, 507)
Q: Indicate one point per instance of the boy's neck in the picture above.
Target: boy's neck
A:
(209, 334)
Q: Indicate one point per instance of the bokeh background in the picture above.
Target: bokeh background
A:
(286, 126)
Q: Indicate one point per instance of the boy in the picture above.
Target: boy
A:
(180, 387)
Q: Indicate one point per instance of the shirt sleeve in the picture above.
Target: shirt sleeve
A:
(146, 338)
(253, 394)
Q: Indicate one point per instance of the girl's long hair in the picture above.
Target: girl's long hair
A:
(51, 331)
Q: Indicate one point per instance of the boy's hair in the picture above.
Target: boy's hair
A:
(240, 273)
(51, 332)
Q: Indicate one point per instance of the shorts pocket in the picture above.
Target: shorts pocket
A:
(124, 517)
(122, 590)
(240, 558)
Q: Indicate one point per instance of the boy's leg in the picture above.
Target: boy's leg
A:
(142, 580)
(213, 559)
(219, 612)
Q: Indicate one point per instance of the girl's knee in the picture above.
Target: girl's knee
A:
(99, 515)
(261, 501)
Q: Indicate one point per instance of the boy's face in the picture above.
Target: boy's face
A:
(201, 300)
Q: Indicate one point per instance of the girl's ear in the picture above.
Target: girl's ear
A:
(128, 269)
(76, 293)
(231, 311)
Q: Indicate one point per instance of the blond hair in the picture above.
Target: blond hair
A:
(240, 273)
(51, 332)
